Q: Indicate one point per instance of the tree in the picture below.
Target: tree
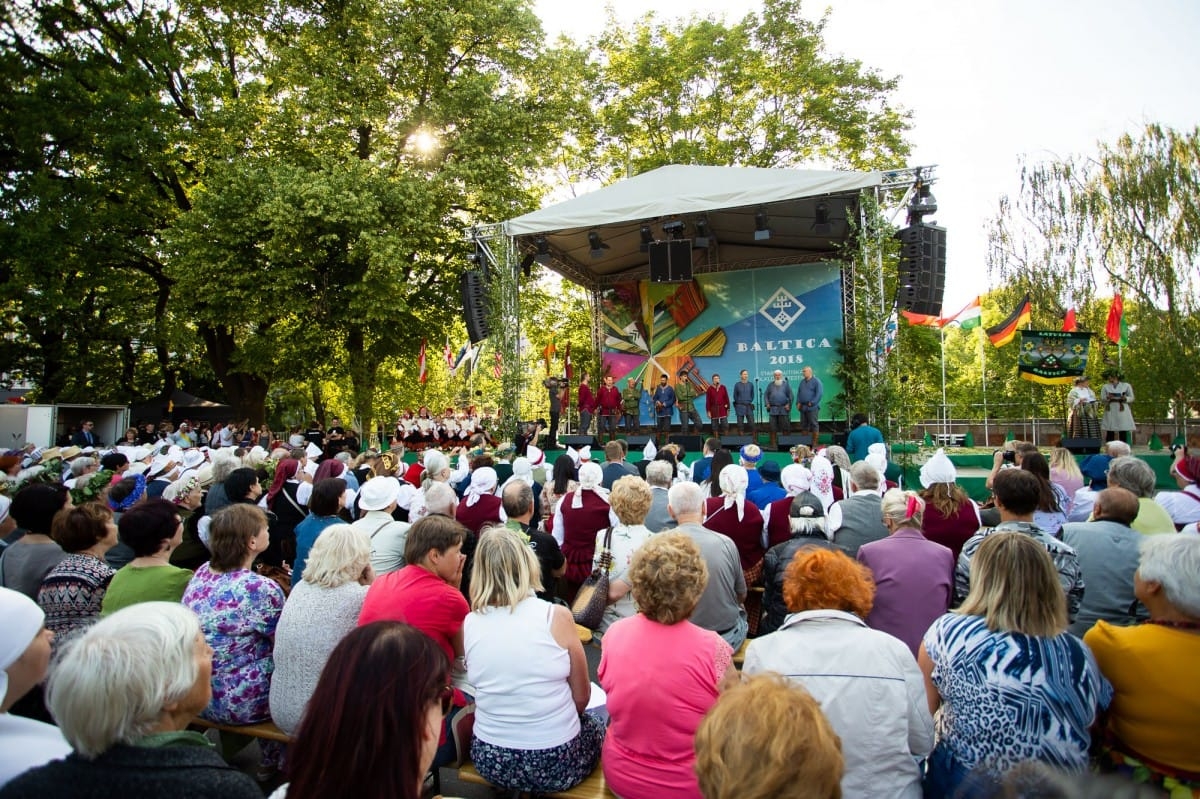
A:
(1125, 220)
(759, 92)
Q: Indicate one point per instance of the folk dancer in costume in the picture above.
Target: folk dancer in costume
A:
(1081, 410)
(808, 402)
(608, 401)
(779, 406)
(587, 404)
(685, 402)
(1116, 395)
(631, 404)
(716, 405)
(664, 408)
(743, 403)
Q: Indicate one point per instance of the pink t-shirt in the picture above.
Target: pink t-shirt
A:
(660, 679)
(418, 597)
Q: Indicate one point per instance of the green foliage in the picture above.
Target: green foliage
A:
(761, 92)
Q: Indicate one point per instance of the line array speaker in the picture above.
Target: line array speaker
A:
(475, 306)
(922, 279)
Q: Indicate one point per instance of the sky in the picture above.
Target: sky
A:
(988, 82)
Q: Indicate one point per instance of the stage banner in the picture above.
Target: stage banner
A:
(760, 320)
(1052, 357)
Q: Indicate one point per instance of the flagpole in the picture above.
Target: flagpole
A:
(983, 377)
(945, 420)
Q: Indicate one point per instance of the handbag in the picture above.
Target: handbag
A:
(592, 598)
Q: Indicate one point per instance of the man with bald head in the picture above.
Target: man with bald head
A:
(1107, 548)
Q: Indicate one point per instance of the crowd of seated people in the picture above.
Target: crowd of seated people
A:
(903, 628)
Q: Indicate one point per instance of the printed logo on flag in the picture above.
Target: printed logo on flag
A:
(782, 309)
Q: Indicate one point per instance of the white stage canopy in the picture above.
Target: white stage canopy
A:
(810, 214)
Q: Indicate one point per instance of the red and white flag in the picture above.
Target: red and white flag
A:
(424, 375)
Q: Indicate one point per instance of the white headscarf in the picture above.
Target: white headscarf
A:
(822, 479)
(796, 479)
(20, 622)
(522, 473)
(649, 452)
(733, 482)
(483, 481)
(590, 478)
(877, 457)
(938, 469)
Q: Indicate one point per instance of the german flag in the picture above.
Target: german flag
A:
(1004, 332)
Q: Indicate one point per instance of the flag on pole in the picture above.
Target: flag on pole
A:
(449, 353)
(548, 353)
(568, 370)
(970, 317)
(1069, 321)
(1115, 328)
(498, 365)
(423, 376)
(921, 319)
(1004, 332)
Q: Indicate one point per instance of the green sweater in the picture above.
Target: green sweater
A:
(134, 584)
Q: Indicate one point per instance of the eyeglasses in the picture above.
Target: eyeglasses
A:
(446, 697)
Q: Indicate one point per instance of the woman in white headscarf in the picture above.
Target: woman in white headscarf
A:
(951, 517)
(877, 457)
(480, 507)
(822, 480)
(737, 517)
(24, 659)
(794, 522)
(580, 515)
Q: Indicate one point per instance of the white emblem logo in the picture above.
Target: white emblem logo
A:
(782, 309)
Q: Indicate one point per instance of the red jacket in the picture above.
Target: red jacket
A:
(587, 401)
(608, 398)
(716, 402)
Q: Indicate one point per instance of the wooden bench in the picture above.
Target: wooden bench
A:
(739, 657)
(591, 788)
(264, 729)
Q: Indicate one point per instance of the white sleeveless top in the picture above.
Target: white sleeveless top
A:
(522, 697)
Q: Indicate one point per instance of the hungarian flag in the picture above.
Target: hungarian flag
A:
(1069, 322)
(568, 370)
(1004, 332)
(970, 317)
(548, 353)
(1115, 328)
(967, 318)
(423, 376)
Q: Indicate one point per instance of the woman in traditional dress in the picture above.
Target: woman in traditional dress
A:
(1081, 411)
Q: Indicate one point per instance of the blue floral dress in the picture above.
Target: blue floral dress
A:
(238, 612)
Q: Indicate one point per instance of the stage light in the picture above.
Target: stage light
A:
(821, 223)
(543, 250)
(597, 246)
(761, 231)
(674, 230)
(647, 238)
(701, 238)
(924, 202)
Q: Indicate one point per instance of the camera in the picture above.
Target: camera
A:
(1009, 456)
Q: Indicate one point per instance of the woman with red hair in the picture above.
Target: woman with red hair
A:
(867, 681)
(289, 509)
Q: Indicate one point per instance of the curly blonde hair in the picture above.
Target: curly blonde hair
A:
(630, 498)
(768, 739)
(668, 576)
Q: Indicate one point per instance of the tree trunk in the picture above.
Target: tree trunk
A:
(363, 370)
(247, 393)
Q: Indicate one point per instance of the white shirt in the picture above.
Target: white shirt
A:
(869, 688)
(1183, 506)
(26, 744)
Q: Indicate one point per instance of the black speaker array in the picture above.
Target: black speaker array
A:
(475, 306)
(922, 269)
(671, 261)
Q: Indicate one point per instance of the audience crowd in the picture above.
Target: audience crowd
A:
(393, 617)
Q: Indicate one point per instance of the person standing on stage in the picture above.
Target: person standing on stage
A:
(1081, 410)
(685, 401)
(631, 404)
(664, 407)
(716, 405)
(608, 399)
(743, 404)
(555, 387)
(587, 404)
(808, 402)
(1116, 396)
(779, 406)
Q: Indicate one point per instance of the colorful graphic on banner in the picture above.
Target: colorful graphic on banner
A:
(759, 320)
(1053, 357)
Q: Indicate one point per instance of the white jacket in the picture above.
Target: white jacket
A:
(870, 689)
